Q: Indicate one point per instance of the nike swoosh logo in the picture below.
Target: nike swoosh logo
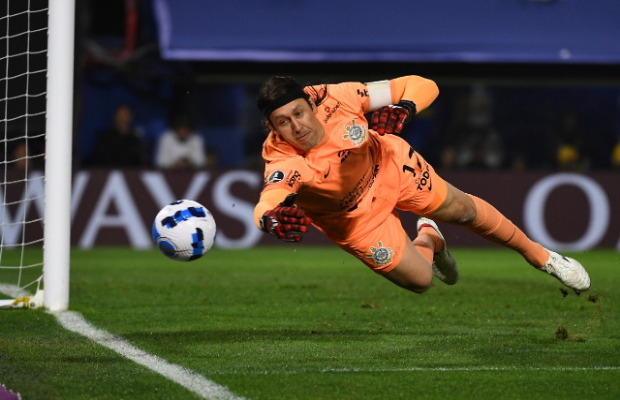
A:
(328, 171)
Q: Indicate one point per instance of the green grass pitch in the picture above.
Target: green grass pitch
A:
(298, 322)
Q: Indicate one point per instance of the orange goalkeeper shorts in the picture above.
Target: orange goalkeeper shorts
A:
(382, 248)
(408, 183)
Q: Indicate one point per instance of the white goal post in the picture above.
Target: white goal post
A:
(57, 150)
(59, 135)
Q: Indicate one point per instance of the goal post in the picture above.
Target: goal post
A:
(36, 85)
(58, 150)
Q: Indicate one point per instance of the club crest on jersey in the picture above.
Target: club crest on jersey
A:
(276, 176)
(381, 255)
(357, 133)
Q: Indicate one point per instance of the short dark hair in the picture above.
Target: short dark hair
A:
(278, 86)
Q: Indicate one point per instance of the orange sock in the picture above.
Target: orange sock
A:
(426, 246)
(426, 229)
(492, 225)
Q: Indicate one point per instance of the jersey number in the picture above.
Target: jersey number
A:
(426, 176)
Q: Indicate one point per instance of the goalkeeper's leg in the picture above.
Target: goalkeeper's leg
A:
(486, 221)
(425, 256)
(414, 272)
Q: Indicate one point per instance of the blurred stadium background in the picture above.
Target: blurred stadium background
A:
(528, 116)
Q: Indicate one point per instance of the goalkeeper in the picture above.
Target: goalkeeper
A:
(325, 165)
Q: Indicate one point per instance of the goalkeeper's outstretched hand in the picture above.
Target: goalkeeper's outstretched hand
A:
(390, 119)
(286, 221)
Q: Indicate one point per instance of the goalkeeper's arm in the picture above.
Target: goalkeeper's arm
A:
(282, 219)
(396, 101)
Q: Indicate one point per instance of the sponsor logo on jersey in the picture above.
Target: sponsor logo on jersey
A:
(421, 175)
(362, 93)
(424, 180)
(352, 197)
(276, 176)
(343, 154)
(381, 255)
(356, 133)
(375, 171)
(330, 112)
(294, 178)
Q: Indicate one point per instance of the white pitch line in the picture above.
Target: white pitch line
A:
(421, 369)
(480, 368)
(202, 386)
(187, 378)
(194, 382)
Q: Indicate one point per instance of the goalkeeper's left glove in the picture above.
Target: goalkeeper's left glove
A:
(390, 119)
(286, 221)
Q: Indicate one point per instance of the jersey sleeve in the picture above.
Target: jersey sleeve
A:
(284, 176)
(352, 95)
(419, 90)
(290, 174)
(268, 201)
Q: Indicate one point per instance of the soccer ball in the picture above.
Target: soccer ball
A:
(184, 230)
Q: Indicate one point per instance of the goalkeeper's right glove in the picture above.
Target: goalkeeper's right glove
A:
(286, 221)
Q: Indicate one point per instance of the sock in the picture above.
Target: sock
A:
(425, 245)
(492, 225)
(428, 230)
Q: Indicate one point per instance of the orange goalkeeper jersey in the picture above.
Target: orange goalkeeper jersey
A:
(337, 179)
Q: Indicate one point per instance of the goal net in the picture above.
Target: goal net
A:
(36, 84)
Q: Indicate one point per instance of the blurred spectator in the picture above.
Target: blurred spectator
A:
(120, 145)
(571, 149)
(615, 155)
(180, 147)
(20, 157)
(26, 154)
(473, 141)
(615, 152)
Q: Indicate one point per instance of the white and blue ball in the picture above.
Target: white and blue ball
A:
(184, 230)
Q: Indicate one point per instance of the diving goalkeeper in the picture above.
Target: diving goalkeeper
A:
(325, 165)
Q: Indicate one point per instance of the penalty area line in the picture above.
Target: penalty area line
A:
(192, 381)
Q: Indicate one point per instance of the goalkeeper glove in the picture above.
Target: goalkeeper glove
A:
(286, 221)
(390, 119)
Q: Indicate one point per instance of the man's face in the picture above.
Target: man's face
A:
(183, 132)
(123, 116)
(297, 123)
